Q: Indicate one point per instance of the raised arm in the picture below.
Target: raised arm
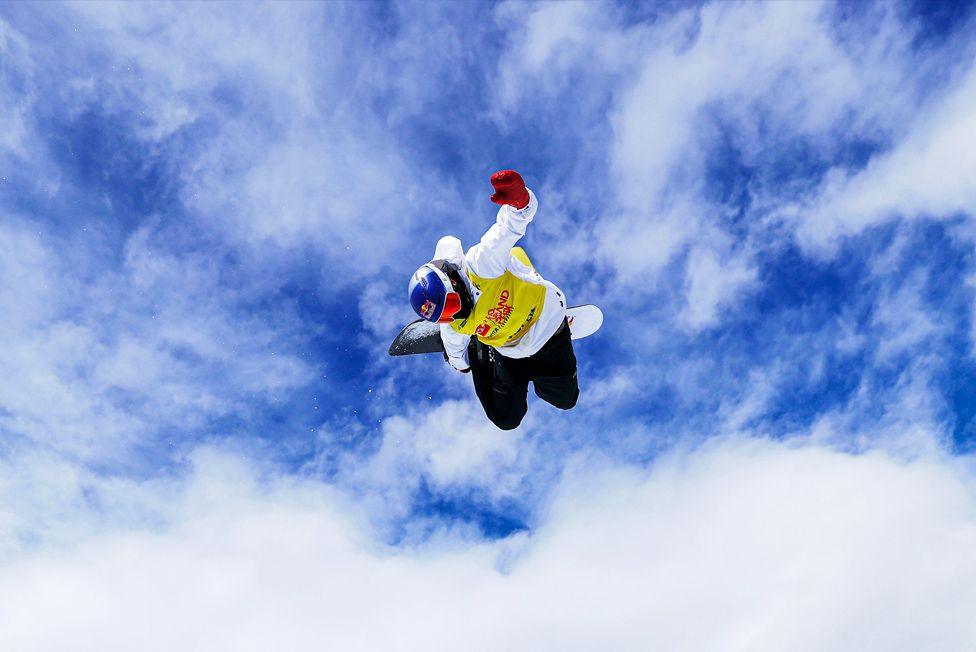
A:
(489, 258)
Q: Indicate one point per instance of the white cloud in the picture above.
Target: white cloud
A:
(778, 60)
(455, 444)
(638, 249)
(772, 545)
(903, 321)
(15, 78)
(712, 284)
(449, 444)
(272, 137)
(378, 303)
(930, 173)
(764, 77)
(94, 363)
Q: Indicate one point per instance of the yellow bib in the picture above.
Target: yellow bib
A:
(506, 309)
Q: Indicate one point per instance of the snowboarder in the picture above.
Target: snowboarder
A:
(499, 319)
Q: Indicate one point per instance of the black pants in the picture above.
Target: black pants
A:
(502, 384)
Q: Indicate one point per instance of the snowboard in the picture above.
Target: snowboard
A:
(422, 336)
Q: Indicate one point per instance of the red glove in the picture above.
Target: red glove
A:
(509, 189)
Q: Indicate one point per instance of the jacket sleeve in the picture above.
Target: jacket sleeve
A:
(456, 347)
(455, 344)
(489, 258)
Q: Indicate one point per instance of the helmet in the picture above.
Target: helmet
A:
(434, 295)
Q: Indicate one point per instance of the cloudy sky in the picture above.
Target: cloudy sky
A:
(208, 216)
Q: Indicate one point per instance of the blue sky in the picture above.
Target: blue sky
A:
(208, 215)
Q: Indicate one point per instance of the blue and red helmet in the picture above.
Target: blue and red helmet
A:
(433, 295)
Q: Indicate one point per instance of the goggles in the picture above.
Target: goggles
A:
(452, 299)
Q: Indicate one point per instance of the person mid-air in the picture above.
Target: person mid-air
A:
(499, 319)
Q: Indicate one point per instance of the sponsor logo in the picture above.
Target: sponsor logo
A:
(524, 327)
(500, 313)
(427, 310)
(483, 330)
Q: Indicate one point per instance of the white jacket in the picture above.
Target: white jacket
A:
(490, 258)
